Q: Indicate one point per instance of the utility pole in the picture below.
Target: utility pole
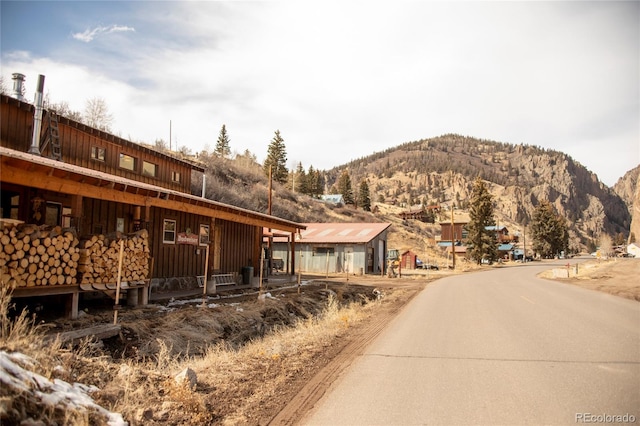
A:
(270, 180)
(453, 239)
(270, 239)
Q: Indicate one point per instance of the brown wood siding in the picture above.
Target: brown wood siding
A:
(237, 246)
(176, 260)
(76, 140)
(16, 125)
(101, 217)
(169, 260)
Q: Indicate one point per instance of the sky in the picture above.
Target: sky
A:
(342, 79)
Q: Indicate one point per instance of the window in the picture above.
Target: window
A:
(169, 231)
(204, 235)
(53, 214)
(98, 153)
(149, 169)
(127, 162)
(175, 176)
(9, 205)
(323, 251)
(66, 217)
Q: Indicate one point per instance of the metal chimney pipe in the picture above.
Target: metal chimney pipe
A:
(204, 184)
(18, 86)
(37, 117)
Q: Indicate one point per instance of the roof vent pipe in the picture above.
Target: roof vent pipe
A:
(37, 117)
(18, 86)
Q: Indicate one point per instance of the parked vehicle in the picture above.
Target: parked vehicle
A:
(421, 265)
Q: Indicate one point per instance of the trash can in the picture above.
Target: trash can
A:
(247, 274)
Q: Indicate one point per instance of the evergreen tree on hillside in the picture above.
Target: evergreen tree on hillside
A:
(301, 180)
(277, 159)
(315, 182)
(549, 231)
(344, 188)
(223, 148)
(481, 216)
(364, 196)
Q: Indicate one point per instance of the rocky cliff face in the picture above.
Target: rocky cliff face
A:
(634, 234)
(441, 171)
(629, 190)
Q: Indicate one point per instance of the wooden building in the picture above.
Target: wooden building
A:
(409, 260)
(92, 183)
(457, 231)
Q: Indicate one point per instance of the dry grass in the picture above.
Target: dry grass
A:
(24, 342)
(614, 276)
(239, 372)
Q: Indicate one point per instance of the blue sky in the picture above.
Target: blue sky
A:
(342, 80)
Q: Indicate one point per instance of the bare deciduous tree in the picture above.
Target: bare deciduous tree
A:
(62, 108)
(606, 246)
(96, 114)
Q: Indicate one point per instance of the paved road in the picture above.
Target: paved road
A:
(499, 347)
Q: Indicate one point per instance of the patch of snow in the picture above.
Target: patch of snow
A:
(53, 393)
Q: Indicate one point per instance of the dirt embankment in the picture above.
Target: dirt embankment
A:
(254, 365)
(617, 276)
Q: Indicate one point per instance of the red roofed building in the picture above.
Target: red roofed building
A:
(330, 248)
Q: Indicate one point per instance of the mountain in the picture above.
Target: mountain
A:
(441, 170)
(629, 190)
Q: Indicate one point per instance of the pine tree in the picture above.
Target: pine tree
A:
(344, 188)
(223, 148)
(301, 181)
(549, 231)
(364, 196)
(315, 182)
(277, 159)
(481, 215)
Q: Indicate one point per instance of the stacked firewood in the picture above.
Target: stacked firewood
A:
(32, 255)
(99, 257)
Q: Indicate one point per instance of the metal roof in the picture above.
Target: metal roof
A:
(505, 247)
(49, 174)
(341, 232)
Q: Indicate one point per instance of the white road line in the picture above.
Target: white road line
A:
(528, 300)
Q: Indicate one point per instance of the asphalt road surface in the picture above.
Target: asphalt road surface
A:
(500, 347)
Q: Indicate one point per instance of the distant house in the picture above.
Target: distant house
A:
(505, 251)
(416, 214)
(457, 232)
(460, 249)
(336, 248)
(634, 249)
(336, 199)
(502, 234)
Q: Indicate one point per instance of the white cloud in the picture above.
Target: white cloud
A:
(89, 34)
(341, 80)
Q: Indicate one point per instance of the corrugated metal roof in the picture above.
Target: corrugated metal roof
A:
(156, 196)
(505, 247)
(341, 232)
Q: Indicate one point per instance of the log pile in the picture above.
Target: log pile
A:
(99, 258)
(32, 255)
